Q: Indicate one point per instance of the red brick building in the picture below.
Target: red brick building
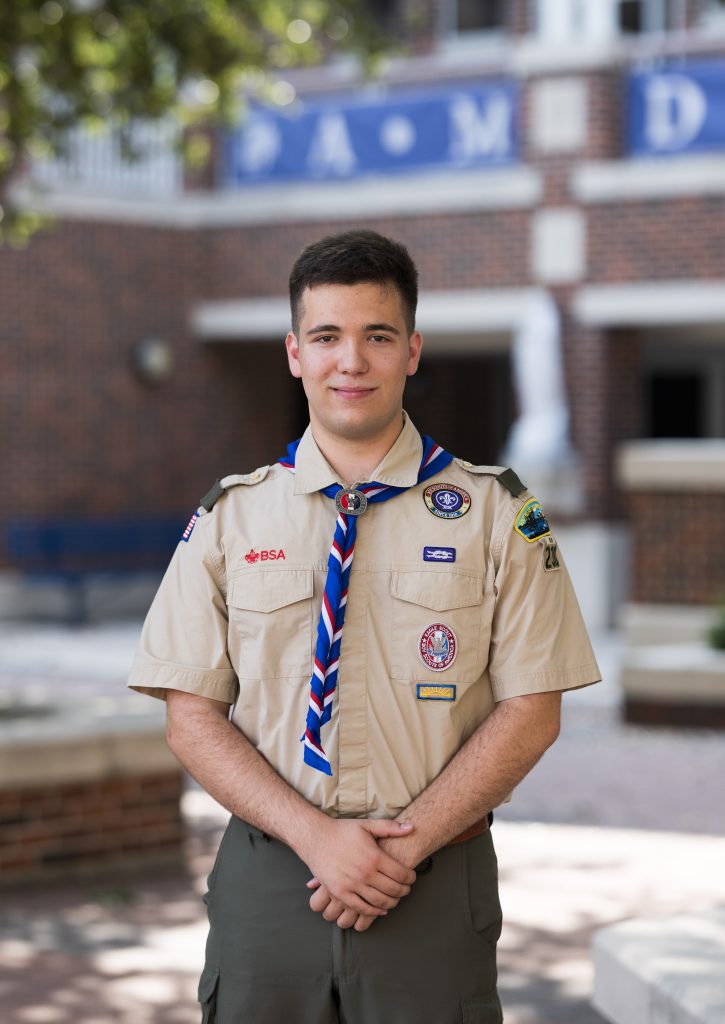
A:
(589, 161)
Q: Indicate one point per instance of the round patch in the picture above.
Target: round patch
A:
(438, 646)
(447, 501)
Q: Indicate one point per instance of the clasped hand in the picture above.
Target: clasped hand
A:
(355, 879)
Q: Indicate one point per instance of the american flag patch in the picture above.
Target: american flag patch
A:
(189, 529)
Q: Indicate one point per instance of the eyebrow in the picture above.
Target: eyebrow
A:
(321, 328)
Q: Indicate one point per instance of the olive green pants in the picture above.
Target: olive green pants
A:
(271, 960)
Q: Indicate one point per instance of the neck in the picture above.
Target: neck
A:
(354, 459)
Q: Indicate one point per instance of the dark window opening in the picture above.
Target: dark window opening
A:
(631, 21)
(676, 404)
(479, 15)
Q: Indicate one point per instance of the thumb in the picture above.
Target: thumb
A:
(382, 829)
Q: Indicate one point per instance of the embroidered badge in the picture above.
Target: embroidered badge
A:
(190, 528)
(438, 646)
(447, 501)
(439, 554)
(427, 691)
(531, 522)
(551, 554)
(265, 556)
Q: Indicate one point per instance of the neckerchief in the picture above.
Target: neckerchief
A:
(334, 599)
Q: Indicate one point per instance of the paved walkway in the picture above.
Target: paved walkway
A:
(615, 822)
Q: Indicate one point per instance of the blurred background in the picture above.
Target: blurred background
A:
(557, 170)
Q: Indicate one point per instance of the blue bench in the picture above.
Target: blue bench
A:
(71, 551)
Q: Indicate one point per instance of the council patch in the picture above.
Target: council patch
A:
(531, 522)
(438, 646)
(447, 501)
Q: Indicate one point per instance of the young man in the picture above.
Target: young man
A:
(408, 615)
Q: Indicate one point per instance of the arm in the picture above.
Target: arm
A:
(499, 754)
(343, 853)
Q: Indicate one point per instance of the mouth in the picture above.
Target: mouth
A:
(353, 393)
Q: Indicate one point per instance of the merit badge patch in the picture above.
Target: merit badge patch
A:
(190, 528)
(432, 691)
(551, 554)
(531, 522)
(447, 501)
(438, 647)
(439, 554)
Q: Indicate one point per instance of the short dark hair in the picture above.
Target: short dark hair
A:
(352, 257)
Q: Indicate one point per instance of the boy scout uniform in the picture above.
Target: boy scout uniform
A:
(458, 599)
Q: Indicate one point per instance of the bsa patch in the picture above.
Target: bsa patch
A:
(531, 522)
(430, 691)
(438, 647)
(439, 554)
(190, 528)
(268, 555)
(551, 554)
(447, 501)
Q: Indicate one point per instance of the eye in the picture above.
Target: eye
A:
(325, 338)
(379, 337)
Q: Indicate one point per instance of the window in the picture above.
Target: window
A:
(637, 16)
(463, 17)
(684, 389)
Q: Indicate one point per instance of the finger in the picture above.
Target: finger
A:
(314, 883)
(381, 828)
(347, 919)
(395, 870)
(376, 898)
(388, 887)
(319, 900)
(333, 910)
(363, 923)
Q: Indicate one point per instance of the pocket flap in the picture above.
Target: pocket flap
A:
(440, 591)
(208, 982)
(269, 589)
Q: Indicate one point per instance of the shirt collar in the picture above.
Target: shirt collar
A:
(399, 467)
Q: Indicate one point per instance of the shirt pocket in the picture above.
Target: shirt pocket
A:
(453, 601)
(270, 623)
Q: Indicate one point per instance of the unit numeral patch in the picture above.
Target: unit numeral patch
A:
(551, 555)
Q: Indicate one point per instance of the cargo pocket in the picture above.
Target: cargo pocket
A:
(208, 984)
(421, 599)
(270, 623)
(482, 1009)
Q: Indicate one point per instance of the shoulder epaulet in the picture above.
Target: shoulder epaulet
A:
(222, 486)
(506, 477)
(511, 482)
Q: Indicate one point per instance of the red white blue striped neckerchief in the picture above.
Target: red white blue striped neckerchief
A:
(334, 599)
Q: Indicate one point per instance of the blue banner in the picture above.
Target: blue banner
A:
(677, 109)
(461, 126)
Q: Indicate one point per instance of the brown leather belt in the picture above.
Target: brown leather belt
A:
(477, 829)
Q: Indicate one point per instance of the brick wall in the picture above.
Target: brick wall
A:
(679, 554)
(89, 826)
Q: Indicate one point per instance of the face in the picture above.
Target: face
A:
(353, 352)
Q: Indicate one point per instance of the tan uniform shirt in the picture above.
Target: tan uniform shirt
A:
(235, 618)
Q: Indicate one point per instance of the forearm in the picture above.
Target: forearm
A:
(230, 769)
(494, 760)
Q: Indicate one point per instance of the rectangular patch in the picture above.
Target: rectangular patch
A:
(431, 691)
(439, 554)
(190, 528)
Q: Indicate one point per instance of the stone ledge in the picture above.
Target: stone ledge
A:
(662, 970)
(79, 740)
(672, 466)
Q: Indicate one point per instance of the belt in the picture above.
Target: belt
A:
(477, 829)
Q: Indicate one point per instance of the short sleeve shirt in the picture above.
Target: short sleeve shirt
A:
(455, 602)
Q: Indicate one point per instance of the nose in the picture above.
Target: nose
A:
(351, 357)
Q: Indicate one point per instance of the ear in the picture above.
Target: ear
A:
(414, 347)
(293, 354)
